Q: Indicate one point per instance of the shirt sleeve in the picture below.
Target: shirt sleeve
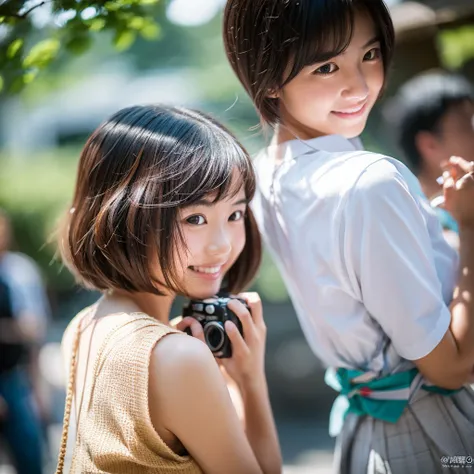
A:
(387, 256)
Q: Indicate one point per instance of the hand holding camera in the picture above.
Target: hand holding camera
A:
(234, 330)
(212, 314)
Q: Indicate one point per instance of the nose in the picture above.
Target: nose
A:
(357, 89)
(219, 243)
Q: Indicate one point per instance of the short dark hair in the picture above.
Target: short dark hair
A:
(420, 105)
(136, 171)
(263, 38)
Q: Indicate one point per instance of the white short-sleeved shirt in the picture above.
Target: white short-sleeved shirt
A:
(360, 250)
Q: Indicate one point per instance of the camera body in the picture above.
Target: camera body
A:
(212, 313)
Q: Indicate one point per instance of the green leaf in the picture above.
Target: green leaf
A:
(42, 53)
(14, 48)
(96, 24)
(1, 83)
(112, 6)
(148, 2)
(78, 44)
(137, 23)
(151, 31)
(29, 77)
(17, 85)
(124, 39)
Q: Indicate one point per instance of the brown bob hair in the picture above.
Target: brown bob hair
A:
(268, 42)
(135, 172)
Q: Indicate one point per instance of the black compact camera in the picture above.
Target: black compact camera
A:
(212, 313)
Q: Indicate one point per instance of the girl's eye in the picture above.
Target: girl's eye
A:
(196, 220)
(328, 68)
(236, 216)
(373, 54)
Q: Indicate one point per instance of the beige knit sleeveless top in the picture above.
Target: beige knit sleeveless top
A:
(115, 433)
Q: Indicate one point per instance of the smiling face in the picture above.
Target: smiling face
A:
(335, 97)
(214, 236)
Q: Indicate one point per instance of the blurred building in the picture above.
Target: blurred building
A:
(69, 115)
(417, 26)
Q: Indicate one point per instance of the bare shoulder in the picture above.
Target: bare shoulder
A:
(181, 365)
(177, 354)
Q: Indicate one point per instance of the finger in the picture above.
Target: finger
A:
(175, 321)
(243, 314)
(437, 201)
(448, 192)
(193, 325)
(255, 304)
(465, 182)
(461, 166)
(239, 346)
(448, 183)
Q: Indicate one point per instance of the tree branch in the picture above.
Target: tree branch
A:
(25, 14)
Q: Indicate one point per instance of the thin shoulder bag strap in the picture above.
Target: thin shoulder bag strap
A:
(69, 397)
(70, 388)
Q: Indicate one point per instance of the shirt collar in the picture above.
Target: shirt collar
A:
(330, 143)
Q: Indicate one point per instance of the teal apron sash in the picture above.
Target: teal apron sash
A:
(363, 393)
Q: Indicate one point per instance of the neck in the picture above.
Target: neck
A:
(429, 185)
(156, 306)
(289, 131)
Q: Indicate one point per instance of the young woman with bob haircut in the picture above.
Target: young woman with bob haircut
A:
(161, 209)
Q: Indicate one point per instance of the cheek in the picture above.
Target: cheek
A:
(309, 98)
(460, 144)
(238, 243)
(189, 248)
(376, 80)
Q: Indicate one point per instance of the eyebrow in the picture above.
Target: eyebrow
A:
(207, 203)
(375, 39)
(324, 59)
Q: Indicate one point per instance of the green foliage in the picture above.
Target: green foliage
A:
(35, 193)
(269, 283)
(457, 46)
(25, 50)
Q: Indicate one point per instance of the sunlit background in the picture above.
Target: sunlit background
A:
(180, 60)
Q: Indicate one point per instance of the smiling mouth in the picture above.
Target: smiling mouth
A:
(207, 270)
(354, 112)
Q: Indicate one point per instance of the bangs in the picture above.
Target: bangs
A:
(219, 168)
(325, 28)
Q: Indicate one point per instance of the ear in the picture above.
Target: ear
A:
(429, 147)
(273, 94)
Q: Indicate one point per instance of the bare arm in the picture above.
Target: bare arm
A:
(451, 363)
(249, 374)
(244, 374)
(191, 398)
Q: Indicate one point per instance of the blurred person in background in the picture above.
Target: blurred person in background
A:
(24, 312)
(433, 115)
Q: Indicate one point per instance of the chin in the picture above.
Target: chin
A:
(203, 293)
(354, 132)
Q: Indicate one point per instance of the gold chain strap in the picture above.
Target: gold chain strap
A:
(68, 404)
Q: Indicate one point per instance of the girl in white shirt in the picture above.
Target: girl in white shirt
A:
(359, 247)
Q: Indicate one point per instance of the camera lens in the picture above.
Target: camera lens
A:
(214, 336)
